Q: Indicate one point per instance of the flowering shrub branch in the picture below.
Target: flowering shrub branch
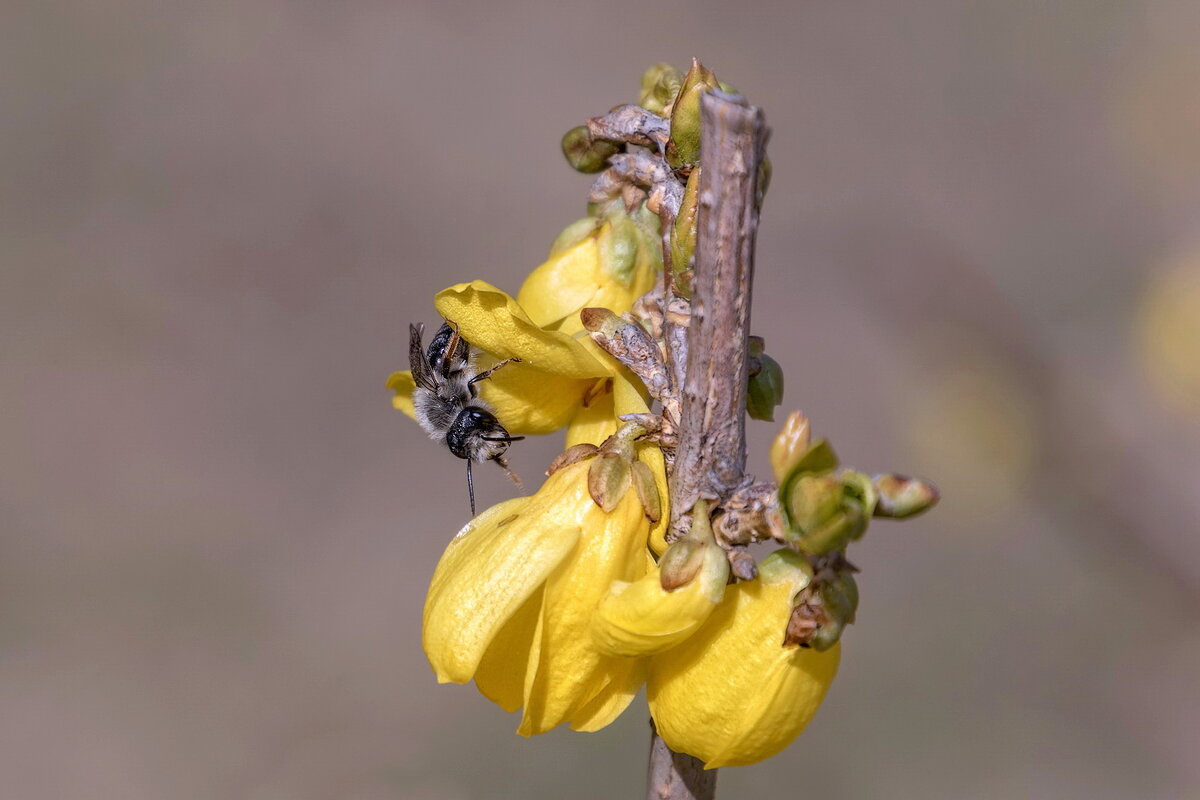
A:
(632, 564)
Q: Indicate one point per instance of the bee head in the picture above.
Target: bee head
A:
(477, 435)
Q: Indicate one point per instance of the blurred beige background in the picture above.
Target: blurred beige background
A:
(979, 261)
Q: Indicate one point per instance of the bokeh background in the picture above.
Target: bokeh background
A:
(979, 262)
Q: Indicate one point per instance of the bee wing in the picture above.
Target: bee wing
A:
(422, 372)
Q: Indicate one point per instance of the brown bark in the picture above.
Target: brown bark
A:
(710, 458)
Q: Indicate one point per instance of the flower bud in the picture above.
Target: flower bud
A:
(586, 154)
(901, 496)
(684, 146)
(660, 87)
(733, 693)
(826, 512)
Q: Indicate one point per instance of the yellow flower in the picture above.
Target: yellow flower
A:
(540, 394)
(671, 602)
(732, 693)
(616, 261)
(511, 601)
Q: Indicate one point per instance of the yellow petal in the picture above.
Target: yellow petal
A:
(563, 284)
(494, 322)
(733, 694)
(571, 670)
(625, 680)
(579, 277)
(593, 423)
(530, 401)
(642, 618)
(650, 453)
(402, 384)
(500, 676)
(485, 575)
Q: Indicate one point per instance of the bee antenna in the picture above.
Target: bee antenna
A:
(470, 487)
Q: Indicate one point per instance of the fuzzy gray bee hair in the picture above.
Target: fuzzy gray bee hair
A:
(447, 402)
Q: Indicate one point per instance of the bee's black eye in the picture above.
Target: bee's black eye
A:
(480, 416)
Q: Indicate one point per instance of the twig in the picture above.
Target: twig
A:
(711, 455)
(676, 776)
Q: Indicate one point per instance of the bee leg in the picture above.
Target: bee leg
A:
(455, 338)
(470, 487)
(502, 462)
(487, 373)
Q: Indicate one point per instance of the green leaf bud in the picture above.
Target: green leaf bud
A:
(586, 154)
(684, 146)
(766, 390)
(660, 86)
(683, 236)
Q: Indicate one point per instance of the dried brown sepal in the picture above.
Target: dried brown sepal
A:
(632, 124)
(648, 309)
(628, 342)
(746, 515)
(609, 478)
(642, 169)
(807, 618)
(572, 455)
(901, 496)
(647, 490)
(741, 563)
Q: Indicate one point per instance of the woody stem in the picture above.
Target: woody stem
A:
(710, 458)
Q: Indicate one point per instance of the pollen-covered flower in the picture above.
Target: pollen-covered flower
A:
(733, 693)
(556, 374)
(602, 262)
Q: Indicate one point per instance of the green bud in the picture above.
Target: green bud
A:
(680, 563)
(766, 390)
(619, 248)
(573, 234)
(818, 458)
(901, 496)
(609, 477)
(849, 587)
(819, 522)
(790, 445)
(683, 236)
(572, 455)
(584, 153)
(860, 493)
(660, 86)
(684, 146)
(647, 490)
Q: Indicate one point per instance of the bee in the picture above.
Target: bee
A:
(447, 403)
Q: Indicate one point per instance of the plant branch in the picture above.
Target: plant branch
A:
(710, 458)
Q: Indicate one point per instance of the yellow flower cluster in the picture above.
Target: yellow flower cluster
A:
(556, 603)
